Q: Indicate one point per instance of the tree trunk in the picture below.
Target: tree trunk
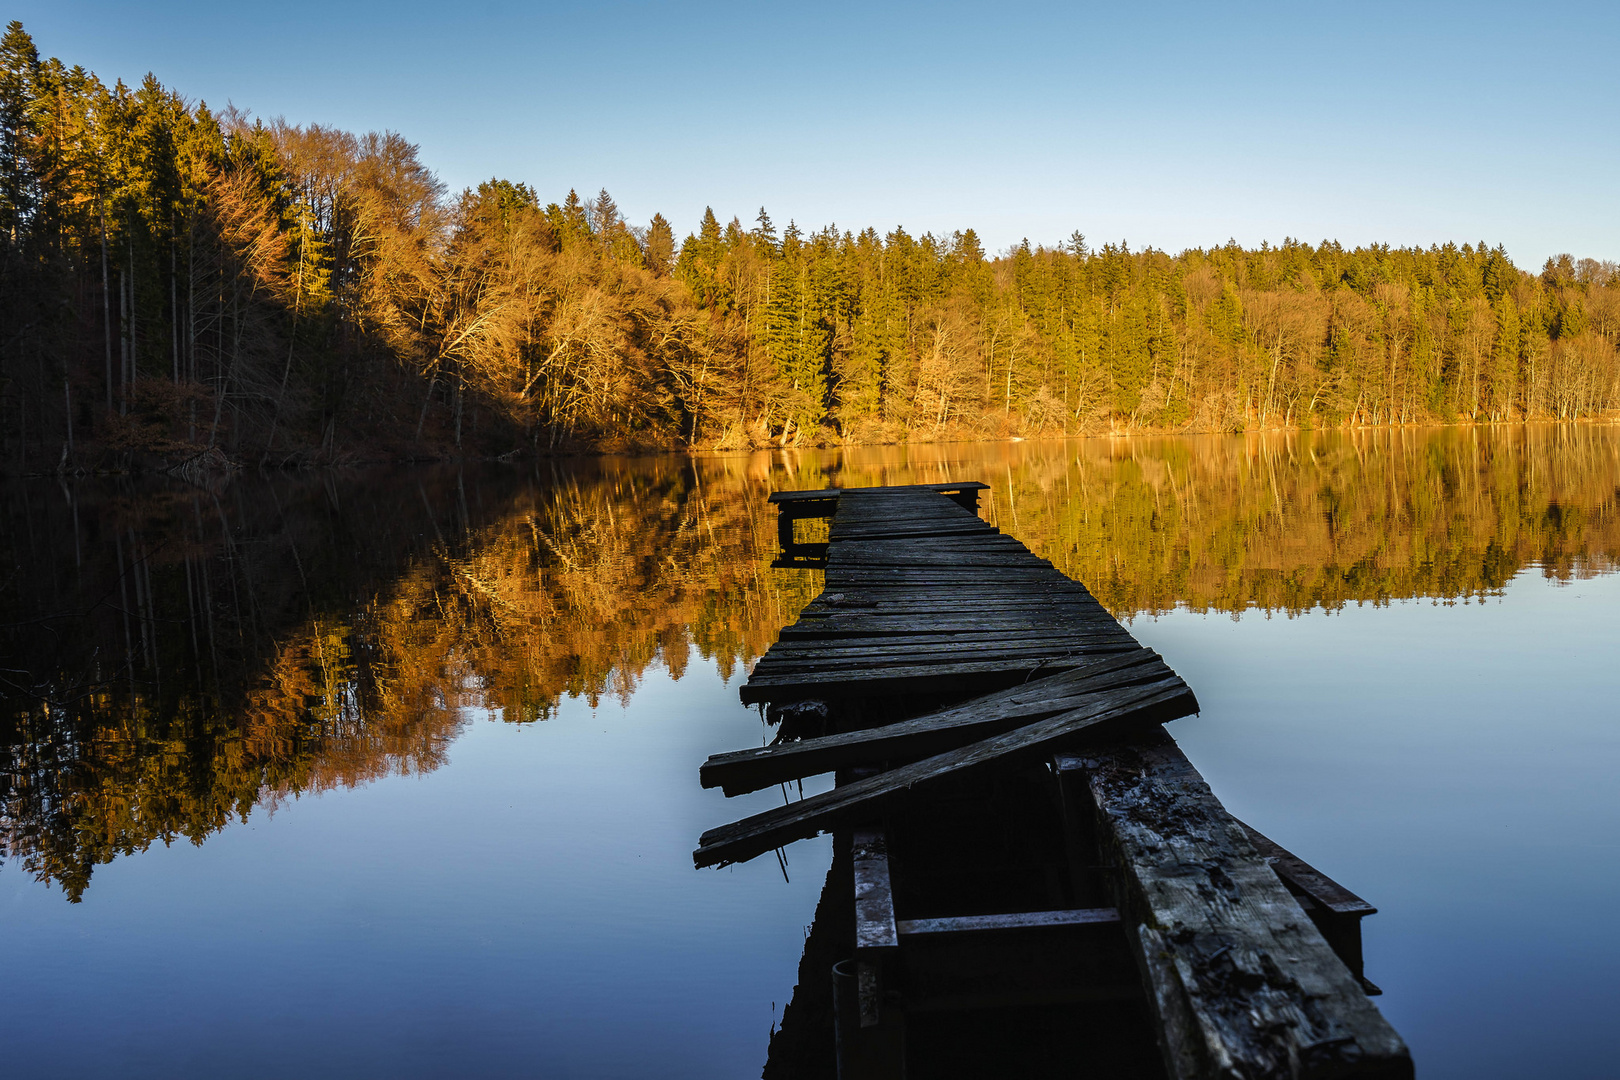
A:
(106, 309)
(123, 344)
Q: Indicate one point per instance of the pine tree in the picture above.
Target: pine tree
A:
(19, 127)
(660, 246)
(764, 233)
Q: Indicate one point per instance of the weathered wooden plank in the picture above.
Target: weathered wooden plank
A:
(931, 533)
(1022, 920)
(755, 835)
(1008, 624)
(874, 895)
(988, 538)
(942, 577)
(785, 663)
(932, 506)
(960, 595)
(1244, 984)
(897, 679)
(867, 601)
(855, 602)
(864, 508)
(861, 597)
(944, 663)
(843, 558)
(834, 493)
(946, 729)
(1099, 637)
(896, 518)
(906, 650)
(960, 524)
(853, 552)
(839, 559)
(906, 624)
(855, 605)
(984, 607)
(956, 521)
(1311, 881)
(1005, 567)
(800, 648)
(857, 502)
(926, 609)
(972, 593)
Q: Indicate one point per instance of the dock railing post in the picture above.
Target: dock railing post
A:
(784, 527)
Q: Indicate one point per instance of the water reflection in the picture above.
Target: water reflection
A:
(174, 657)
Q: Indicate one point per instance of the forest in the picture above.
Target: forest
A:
(182, 284)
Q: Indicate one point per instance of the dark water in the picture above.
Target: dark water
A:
(395, 773)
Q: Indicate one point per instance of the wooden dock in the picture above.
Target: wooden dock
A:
(1021, 845)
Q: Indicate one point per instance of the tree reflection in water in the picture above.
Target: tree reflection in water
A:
(175, 657)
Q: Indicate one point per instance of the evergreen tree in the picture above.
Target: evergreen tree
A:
(19, 128)
(660, 245)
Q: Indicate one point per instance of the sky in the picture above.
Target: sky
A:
(1163, 125)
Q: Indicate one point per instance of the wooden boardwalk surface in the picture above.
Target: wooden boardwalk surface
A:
(949, 666)
(923, 595)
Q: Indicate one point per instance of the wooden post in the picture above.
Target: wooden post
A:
(784, 527)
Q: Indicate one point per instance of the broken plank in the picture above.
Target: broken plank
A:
(1020, 920)
(834, 493)
(797, 648)
(1311, 881)
(944, 624)
(1086, 687)
(874, 895)
(841, 558)
(967, 677)
(902, 652)
(961, 527)
(1243, 983)
(878, 593)
(756, 835)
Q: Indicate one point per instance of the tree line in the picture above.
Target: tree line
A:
(175, 278)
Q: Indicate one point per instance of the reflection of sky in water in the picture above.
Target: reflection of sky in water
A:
(532, 907)
(1459, 766)
(529, 908)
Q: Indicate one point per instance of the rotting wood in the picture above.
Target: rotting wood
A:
(756, 835)
(1335, 910)
(1244, 984)
(905, 626)
(1021, 920)
(958, 595)
(877, 661)
(874, 895)
(987, 539)
(918, 678)
(830, 654)
(1084, 687)
(849, 644)
(1311, 881)
(835, 493)
(839, 561)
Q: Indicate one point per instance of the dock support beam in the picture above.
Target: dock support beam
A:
(871, 1032)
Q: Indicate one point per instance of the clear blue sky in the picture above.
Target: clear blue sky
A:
(1167, 125)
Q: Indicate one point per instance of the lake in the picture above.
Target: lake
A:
(393, 772)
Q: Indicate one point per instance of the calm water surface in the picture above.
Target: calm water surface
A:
(395, 773)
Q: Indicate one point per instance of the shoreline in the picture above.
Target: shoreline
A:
(220, 463)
